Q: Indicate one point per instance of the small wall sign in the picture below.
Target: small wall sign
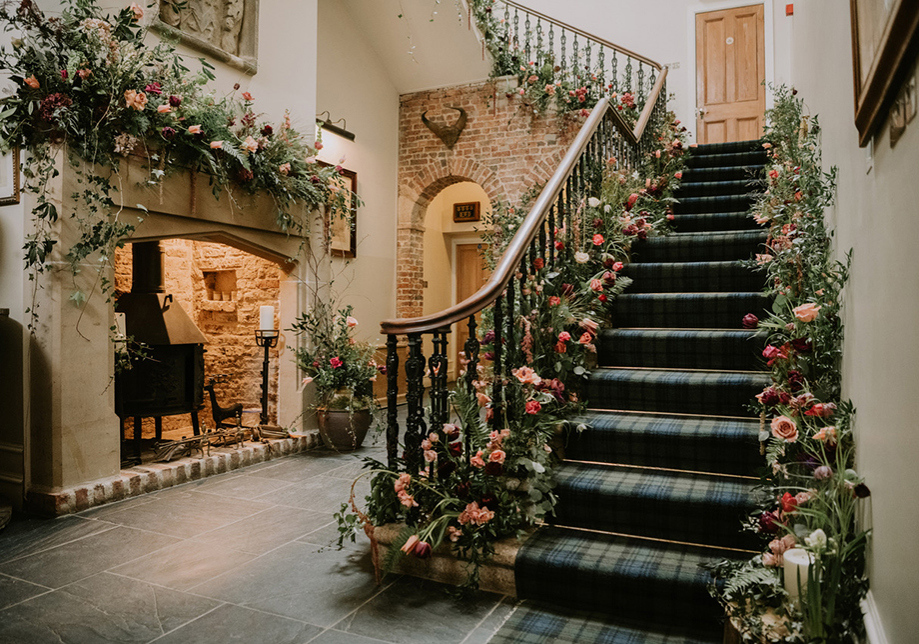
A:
(463, 212)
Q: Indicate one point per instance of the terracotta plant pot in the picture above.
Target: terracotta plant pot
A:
(343, 430)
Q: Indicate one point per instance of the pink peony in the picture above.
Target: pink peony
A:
(806, 312)
(784, 428)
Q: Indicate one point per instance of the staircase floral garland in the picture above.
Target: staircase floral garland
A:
(542, 81)
(813, 492)
(477, 484)
(88, 81)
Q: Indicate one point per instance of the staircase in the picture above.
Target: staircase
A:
(660, 480)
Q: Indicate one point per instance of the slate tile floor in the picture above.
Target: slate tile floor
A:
(240, 557)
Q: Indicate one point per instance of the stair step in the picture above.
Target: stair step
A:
(704, 149)
(726, 159)
(687, 310)
(696, 188)
(710, 221)
(692, 277)
(724, 173)
(694, 443)
(678, 506)
(710, 393)
(652, 583)
(718, 203)
(681, 349)
(700, 247)
(541, 623)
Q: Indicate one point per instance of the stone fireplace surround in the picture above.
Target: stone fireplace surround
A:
(73, 445)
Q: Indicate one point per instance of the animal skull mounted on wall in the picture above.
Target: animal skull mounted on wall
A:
(449, 134)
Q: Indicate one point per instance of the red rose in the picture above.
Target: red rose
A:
(789, 502)
(597, 239)
(533, 407)
(559, 245)
(750, 321)
(539, 263)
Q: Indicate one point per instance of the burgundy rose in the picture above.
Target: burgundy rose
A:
(567, 290)
(608, 262)
(488, 500)
(795, 380)
(769, 522)
(861, 491)
(175, 101)
(168, 133)
(802, 345)
(598, 222)
(446, 468)
(455, 448)
(267, 130)
(489, 337)
(494, 469)
(462, 490)
(769, 397)
(315, 179)
(244, 175)
(750, 321)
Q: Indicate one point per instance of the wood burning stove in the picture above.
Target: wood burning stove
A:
(169, 380)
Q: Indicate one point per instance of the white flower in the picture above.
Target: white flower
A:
(581, 257)
(607, 208)
(593, 202)
(817, 540)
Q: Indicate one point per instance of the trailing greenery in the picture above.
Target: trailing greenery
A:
(481, 481)
(86, 82)
(812, 491)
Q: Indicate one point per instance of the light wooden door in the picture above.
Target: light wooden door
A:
(471, 274)
(730, 70)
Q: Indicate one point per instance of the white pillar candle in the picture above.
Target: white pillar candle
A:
(797, 562)
(266, 318)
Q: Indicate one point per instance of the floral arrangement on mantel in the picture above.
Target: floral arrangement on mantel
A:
(814, 492)
(502, 486)
(87, 80)
(541, 80)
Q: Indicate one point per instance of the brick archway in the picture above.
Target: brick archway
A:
(414, 200)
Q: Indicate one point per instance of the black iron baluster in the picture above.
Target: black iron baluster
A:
(601, 77)
(392, 401)
(517, 33)
(615, 72)
(540, 58)
(543, 252)
(497, 392)
(575, 63)
(563, 63)
(628, 73)
(472, 373)
(551, 233)
(551, 43)
(415, 428)
(641, 80)
(437, 366)
(590, 72)
(526, 40)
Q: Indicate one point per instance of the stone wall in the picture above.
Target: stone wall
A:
(505, 148)
(221, 288)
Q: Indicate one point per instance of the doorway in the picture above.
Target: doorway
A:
(471, 275)
(730, 74)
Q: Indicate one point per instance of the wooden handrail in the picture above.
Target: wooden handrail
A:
(580, 32)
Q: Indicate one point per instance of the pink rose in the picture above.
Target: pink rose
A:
(137, 12)
(497, 456)
(351, 322)
(555, 300)
(335, 362)
(596, 285)
(784, 428)
(806, 312)
(677, 175)
(430, 455)
(135, 100)
(564, 336)
(597, 239)
(477, 460)
(533, 407)
(402, 482)
(284, 169)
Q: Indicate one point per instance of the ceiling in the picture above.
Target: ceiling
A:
(429, 46)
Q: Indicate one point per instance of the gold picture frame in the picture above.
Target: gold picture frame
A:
(885, 40)
(9, 178)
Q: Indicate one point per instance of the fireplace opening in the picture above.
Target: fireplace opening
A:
(221, 289)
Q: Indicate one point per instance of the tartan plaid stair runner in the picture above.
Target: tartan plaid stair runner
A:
(658, 473)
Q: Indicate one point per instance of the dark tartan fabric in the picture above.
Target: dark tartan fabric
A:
(659, 584)
(540, 623)
(681, 349)
(649, 503)
(723, 445)
(679, 376)
(726, 159)
(687, 310)
(716, 246)
(712, 393)
(692, 277)
(727, 173)
(714, 203)
(696, 188)
(703, 221)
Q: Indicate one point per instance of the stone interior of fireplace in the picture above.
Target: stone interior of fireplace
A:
(221, 289)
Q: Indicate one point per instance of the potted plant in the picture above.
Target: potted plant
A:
(342, 369)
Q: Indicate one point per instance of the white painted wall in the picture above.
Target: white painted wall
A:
(353, 84)
(876, 216)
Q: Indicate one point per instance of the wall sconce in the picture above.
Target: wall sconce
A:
(329, 125)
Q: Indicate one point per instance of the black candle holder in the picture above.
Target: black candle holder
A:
(268, 339)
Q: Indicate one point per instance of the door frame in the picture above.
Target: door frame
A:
(698, 7)
(459, 239)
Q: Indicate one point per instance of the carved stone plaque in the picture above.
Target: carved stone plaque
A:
(224, 29)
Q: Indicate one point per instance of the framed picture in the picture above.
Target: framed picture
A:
(463, 212)
(885, 39)
(9, 178)
(344, 229)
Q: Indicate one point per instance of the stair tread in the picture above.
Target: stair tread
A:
(542, 623)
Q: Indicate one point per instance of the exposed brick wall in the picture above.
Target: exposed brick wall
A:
(227, 315)
(505, 148)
